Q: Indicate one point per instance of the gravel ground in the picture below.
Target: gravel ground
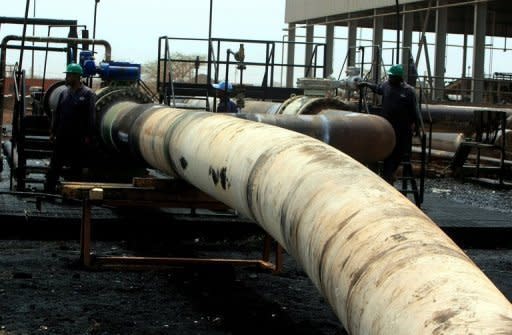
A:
(471, 194)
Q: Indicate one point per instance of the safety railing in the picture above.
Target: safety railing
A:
(256, 72)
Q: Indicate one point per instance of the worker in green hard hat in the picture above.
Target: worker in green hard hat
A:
(400, 108)
(72, 127)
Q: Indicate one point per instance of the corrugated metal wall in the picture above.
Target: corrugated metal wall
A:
(300, 10)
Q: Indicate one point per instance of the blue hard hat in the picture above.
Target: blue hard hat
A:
(222, 86)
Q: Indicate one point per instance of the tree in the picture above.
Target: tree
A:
(183, 69)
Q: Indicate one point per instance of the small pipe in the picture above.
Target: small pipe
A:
(104, 43)
(23, 37)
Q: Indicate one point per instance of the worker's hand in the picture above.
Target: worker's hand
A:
(52, 138)
(415, 129)
(362, 84)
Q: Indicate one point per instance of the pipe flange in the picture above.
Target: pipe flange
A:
(108, 96)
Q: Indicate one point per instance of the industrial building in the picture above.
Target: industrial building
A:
(474, 20)
(276, 216)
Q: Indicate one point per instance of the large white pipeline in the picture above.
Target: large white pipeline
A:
(381, 263)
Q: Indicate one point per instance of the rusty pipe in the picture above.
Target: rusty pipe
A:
(381, 263)
(366, 138)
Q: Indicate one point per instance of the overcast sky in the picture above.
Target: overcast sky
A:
(133, 28)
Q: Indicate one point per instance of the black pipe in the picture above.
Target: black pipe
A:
(209, 76)
(36, 48)
(94, 24)
(397, 33)
(20, 63)
(48, 49)
(36, 21)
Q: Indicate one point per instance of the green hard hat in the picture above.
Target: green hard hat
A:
(74, 68)
(396, 70)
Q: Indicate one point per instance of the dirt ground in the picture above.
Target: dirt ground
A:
(44, 290)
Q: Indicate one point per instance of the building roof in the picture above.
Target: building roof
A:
(460, 13)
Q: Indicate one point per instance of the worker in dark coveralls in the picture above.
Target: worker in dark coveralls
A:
(72, 127)
(225, 105)
(399, 107)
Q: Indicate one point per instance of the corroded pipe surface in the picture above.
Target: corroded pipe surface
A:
(381, 263)
(366, 138)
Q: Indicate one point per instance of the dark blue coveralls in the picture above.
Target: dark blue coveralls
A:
(73, 126)
(399, 107)
(227, 106)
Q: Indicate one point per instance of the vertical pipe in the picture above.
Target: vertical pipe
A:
(329, 49)
(273, 53)
(378, 26)
(397, 32)
(440, 53)
(464, 54)
(480, 21)
(407, 26)
(158, 75)
(20, 62)
(33, 51)
(467, 30)
(290, 55)
(209, 76)
(310, 31)
(352, 42)
(94, 24)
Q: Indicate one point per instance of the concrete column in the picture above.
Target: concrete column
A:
(290, 55)
(480, 21)
(352, 40)
(378, 27)
(439, 68)
(467, 29)
(407, 25)
(464, 54)
(310, 32)
(329, 49)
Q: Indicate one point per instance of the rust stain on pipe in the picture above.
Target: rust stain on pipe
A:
(382, 264)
